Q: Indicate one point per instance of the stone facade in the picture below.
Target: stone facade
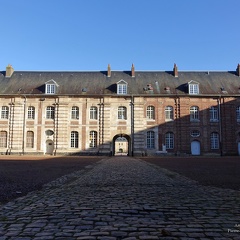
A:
(89, 124)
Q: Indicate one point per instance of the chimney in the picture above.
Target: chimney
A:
(175, 70)
(109, 71)
(133, 71)
(9, 70)
(238, 70)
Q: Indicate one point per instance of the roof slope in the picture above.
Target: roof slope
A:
(98, 83)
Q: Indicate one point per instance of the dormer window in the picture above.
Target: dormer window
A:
(193, 87)
(121, 87)
(51, 87)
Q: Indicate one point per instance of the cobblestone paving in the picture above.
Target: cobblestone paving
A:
(123, 198)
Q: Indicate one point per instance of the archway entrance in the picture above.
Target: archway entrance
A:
(121, 145)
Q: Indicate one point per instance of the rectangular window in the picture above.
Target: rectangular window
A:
(74, 139)
(3, 139)
(31, 113)
(93, 139)
(193, 89)
(75, 113)
(150, 112)
(194, 113)
(50, 112)
(30, 139)
(214, 140)
(169, 113)
(150, 140)
(122, 88)
(169, 140)
(93, 113)
(122, 113)
(214, 114)
(50, 88)
(238, 113)
(4, 112)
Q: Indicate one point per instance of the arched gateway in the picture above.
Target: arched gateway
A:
(121, 145)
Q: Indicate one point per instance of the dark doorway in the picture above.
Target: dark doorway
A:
(121, 145)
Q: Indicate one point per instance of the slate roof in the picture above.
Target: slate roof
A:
(98, 83)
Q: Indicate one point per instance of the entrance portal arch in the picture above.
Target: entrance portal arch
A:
(121, 145)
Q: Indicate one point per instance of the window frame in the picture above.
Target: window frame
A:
(169, 140)
(122, 87)
(50, 88)
(194, 114)
(150, 140)
(193, 88)
(3, 139)
(122, 113)
(5, 112)
(238, 113)
(93, 113)
(214, 116)
(214, 139)
(74, 139)
(150, 112)
(75, 112)
(30, 139)
(169, 113)
(31, 112)
(50, 112)
(92, 139)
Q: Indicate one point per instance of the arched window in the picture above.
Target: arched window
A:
(169, 140)
(3, 139)
(74, 139)
(194, 113)
(169, 113)
(31, 112)
(93, 139)
(50, 112)
(93, 113)
(214, 140)
(4, 112)
(213, 114)
(150, 139)
(122, 113)
(30, 139)
(238, 113)
(150, 112)
(75, 113)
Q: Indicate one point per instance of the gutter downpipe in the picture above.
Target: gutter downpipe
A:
(220, 125)
(24, 124)
(132, 125)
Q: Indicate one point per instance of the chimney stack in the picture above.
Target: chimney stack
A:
(133, 71)
(9, 70)
(175, 70)
(238, 70)
(109, 71)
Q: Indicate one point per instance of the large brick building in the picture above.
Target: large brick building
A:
(109, 112)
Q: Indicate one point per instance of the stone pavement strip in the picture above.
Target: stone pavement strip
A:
(123, 198)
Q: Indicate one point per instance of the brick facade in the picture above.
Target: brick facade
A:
(144, 124)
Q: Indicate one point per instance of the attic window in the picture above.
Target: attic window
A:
(121, 87)
(193, 87)
(50, 87)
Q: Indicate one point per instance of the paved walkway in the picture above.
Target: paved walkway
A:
(123, 198)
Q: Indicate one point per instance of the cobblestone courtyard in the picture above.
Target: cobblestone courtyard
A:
(123, 198)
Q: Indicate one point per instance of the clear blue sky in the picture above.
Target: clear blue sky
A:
(89, 34)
